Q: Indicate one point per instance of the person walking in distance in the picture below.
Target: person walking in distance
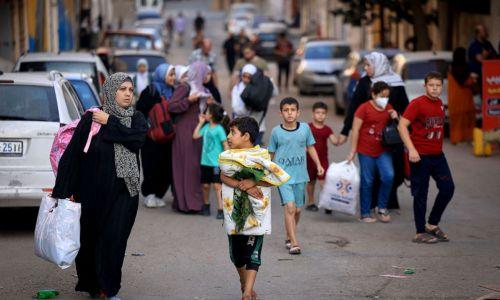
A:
(425, 115)
(284, 52)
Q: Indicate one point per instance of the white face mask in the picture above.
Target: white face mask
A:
(382, 102)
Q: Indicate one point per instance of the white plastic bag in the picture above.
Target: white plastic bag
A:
(341, 189)
(57, 231)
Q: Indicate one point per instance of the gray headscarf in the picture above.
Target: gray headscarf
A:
(125, 160)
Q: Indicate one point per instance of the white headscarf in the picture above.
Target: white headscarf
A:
(180, 71)
(142, 61)
(249, 68)
(382, 70)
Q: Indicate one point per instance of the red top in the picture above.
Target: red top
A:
(370, 133)
(427, 124)
(321, 136)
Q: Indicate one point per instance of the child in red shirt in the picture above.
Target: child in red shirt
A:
(426, 115)
(322, 133)
(369, 122)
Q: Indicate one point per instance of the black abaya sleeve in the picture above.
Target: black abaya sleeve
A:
(148, 98)
(133, 138)
(398, 99)
(68, 170)
(361, 95)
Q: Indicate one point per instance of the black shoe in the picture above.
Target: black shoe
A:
(312, 207)
(328, 211)
(205, 210)
(220, 214)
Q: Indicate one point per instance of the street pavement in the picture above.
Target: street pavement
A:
(186, 257)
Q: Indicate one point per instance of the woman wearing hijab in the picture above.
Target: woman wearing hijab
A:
(188, 101)
(156, 158)
(142, 78)
(105, 180)
(180, 74)
(377, 68)
(462, 111)
(239, 108)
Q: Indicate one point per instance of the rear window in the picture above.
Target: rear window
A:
(327, 52)
(85, 94)
(30, 103)
(61, 66)
(268, 37)
(418, 70)
(122, 41)
(128, 63)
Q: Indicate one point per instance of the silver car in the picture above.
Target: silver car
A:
(32, 108)
(319, 66)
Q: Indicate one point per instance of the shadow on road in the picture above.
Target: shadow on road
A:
(18, 219)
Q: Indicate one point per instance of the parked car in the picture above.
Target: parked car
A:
(352, 72)
(299, 52)
(160, 43)
(147, 9)
(126, 60)
(239, 21)
(74, 62)
(268, 34)
(320, 65)
(413, 67)
(33, 106)
(87, 94)
(158, 24)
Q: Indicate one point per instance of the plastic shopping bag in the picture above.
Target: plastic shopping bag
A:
(57, 231)
(340, 192)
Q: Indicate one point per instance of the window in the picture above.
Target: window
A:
(28, 102)
(418, 70)
(70, 103)
(128, 63)
(85, 94)
(74, 96)
(327, 52)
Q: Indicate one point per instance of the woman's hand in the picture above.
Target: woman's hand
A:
(255, 192)
(210, 100)
(393, 114)
(194, 97)
(246, 184)
(350, 157)
(100, 117)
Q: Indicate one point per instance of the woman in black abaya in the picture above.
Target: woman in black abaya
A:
(105, 180)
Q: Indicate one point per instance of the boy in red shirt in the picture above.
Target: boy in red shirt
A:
(426, 115)
(322, 133)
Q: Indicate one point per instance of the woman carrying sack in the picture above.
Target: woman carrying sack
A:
(369, 121)
(105, 180)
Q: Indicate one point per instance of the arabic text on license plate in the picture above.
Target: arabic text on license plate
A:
(8, 147)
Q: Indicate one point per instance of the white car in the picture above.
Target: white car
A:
(413, 66)
(74, 62)
(32, 108)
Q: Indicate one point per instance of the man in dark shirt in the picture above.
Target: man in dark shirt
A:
(480, 49)
(199, 22)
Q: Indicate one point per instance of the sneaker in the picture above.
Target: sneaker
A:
(312, 207)
(383, 216)
(205, 210)
(220, 214)
(328, 211)
(150, 201)
(160, 202)
(368, 219)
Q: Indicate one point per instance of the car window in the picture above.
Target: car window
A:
(70, 103)
(128, 63)
(74, 95)
(418, 70)
(327, 52)
(85, 93)
(61, 66)
(121, 41)
(264, 37)
(28, 102)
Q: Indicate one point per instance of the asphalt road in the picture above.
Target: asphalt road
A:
(186, 257)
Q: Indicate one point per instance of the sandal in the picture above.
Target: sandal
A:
(288, 244)
(424, 238)
(295, 250)
(438, 233)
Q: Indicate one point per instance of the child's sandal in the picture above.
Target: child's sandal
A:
(295, 250)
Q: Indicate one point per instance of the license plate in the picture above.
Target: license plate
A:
(11, 148)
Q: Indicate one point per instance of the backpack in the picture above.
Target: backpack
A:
(258, 92)
(161, 124)
(63, 137)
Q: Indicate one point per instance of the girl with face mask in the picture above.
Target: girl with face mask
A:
(369, 121)
(105, 180)
(156, 157)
